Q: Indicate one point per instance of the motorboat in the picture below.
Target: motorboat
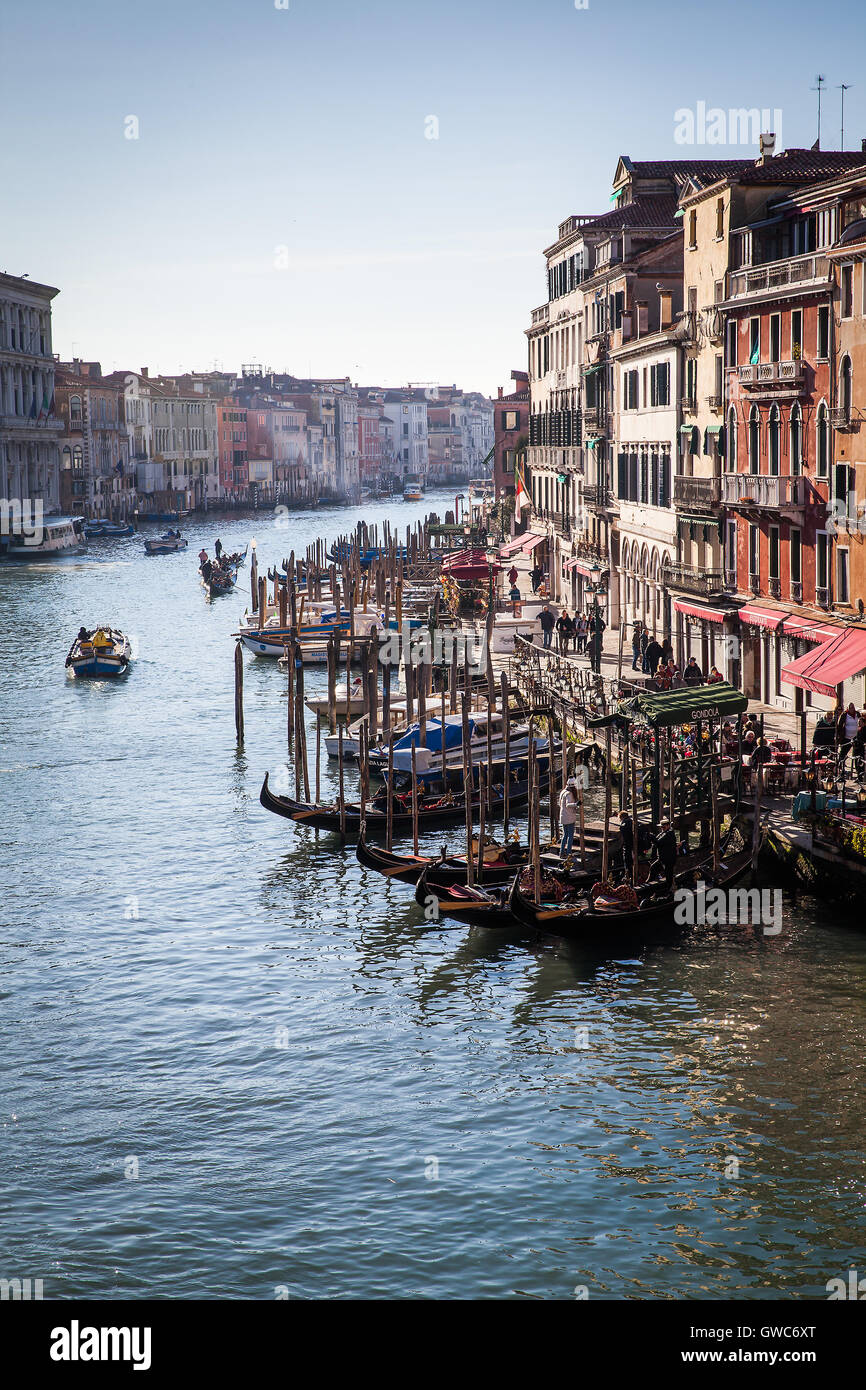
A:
(103, 652)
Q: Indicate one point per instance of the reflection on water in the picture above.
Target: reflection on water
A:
(283, 1042)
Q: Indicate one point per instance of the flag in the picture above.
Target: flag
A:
(521, 496)
(45, 409)
(33, 408)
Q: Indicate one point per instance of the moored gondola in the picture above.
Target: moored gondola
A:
(432, 810)
(501, 863)
(478, 907)
(610, 915)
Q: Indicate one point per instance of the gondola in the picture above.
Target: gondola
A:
(432, 811)
(218, 582)
(500, 864)
(475, 906)
(656, 906)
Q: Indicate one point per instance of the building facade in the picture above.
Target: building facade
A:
(29, 427)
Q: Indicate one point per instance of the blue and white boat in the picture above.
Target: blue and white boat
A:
(52, 538)
(167, 544)
(429, 757)
(103, 653)
(109, 530)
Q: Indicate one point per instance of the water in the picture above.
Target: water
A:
(319, 1090)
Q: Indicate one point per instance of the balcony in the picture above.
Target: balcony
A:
(796, 591)
(705, 583)
(822, 596)
(841, 418)
(697, 494)
(688, 404)
(714, 402)
(767, 281)
(541, 314)
(761, 492)
(598, 496)
(593, 418)
(775, 380)
(774, 588)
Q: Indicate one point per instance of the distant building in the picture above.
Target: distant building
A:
(29, 428)
(96, 477)
(510, 433)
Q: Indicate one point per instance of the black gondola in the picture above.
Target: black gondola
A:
(408, 868)
(478, 907)
(432, 810)
(656, 906)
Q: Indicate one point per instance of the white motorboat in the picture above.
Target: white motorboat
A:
(50, 538)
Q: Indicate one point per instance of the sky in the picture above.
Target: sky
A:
(360, 188)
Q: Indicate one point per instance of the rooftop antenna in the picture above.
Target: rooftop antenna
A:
(843, 88)
(820, 80)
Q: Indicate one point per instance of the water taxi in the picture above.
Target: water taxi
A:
(50, 538)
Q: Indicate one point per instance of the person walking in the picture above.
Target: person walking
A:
(567, 816)
(580, 634)
(513, 576)
(564, 631)
(547, 622)
(652, 656)
(536, 575)
(636, 656)
(644, 643)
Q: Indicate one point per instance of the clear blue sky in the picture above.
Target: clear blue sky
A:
(304, 128)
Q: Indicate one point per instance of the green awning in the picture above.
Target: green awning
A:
(680, 212)
(713, 429)
(590, 371)
(670, 707)
(686, 429)
(596, 439)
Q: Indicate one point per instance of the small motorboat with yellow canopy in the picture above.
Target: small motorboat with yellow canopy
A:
(102, 652)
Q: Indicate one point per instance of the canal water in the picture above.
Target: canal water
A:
(235, 1064)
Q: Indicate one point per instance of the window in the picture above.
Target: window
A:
(773, 440)
(845, 397)
(731, 549)
(731, 442)
(754, 440)
(720, 218)
(775, 337)
(631, 391)
(822, 442)
(75, 408)
(796, 437)
(845, 493)
(824, 331)
(847, 291)
(796, 560)
(773, 570)
(754, 552)
(732, 343)
(693, 229)
(842, 576)
(796, 334)
(822, 559)
(660, 374)
(717, 385)
(754, 341)
(718, 291)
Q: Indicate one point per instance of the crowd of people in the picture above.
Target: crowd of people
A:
(656, 660)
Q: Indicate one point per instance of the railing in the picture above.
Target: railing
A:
(541, 314)
(822, 596)
(796, 591)
(774, 588)
(592, 417)
(597, 495)
(689, 404)
(796, 270)
(790, 372)
(755, 583)
(840, 417)
(761, 490)
(708, 583)
(714, 402)
(696, 492)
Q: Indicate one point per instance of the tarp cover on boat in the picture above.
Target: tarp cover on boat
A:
(666, 708)
(453, 733)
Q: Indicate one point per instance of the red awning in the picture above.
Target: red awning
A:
(763, 617)
(697, 610)
(512, 547)
(809, 629)
(469, 564)
(827, 666)
(531, 541)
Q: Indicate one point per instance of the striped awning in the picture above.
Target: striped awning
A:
(700, 610)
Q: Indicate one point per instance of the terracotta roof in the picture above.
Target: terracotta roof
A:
(797, 166)
(684, 168)
(657, 211)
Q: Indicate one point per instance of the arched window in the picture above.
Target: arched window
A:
(75, 409)
(845, 397)
(774, 440)
(822, 442)
(66, 459)
(731, 442)
(754, 440)
(796, 436)
(78, 459)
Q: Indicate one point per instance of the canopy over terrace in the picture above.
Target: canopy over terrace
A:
(668, 708)
(470, 564)
(824, 669)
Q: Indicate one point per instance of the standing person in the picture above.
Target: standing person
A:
(636, 655)
(567, 816)
(652, 656)
(626, 830)
(644, 643)
(513, 576)
(218, 548)
(564, 630)
(597, 626)
(536, 575)
(580, 633)
(667, 650)
(547, 621)
(665, 857)
(693, 675)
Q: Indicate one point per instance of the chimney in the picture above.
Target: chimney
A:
(143, 371)
(665, 315)
(863, 146)
(500, 393)
(767, 143)
(642, 316)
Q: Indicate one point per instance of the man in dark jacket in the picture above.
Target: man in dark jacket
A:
(665, 857)
(693, 675)
(547, 621)
(652, 656)
(626, 830)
